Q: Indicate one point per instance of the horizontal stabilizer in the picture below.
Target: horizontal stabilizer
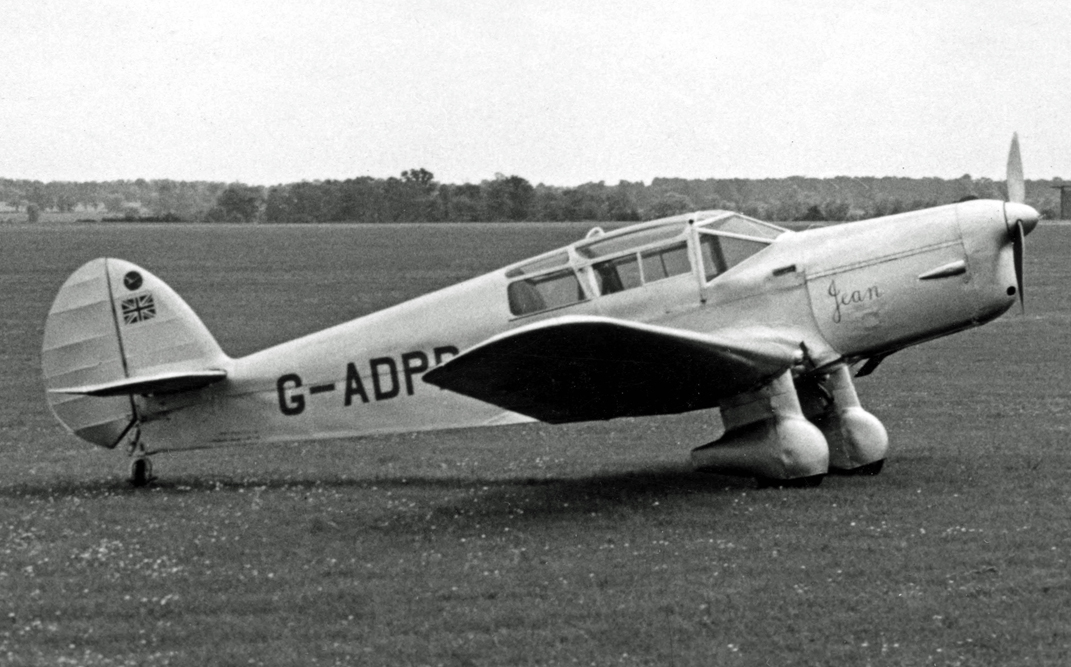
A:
(583, 368)
(163, 383)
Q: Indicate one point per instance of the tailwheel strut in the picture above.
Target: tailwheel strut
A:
(141, 466)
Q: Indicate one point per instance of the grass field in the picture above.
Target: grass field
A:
(592, 544)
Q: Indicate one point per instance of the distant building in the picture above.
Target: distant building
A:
(1065, 200)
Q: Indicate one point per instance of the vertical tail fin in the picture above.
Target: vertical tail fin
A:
(115, 330)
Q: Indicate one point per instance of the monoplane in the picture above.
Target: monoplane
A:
(711, 309)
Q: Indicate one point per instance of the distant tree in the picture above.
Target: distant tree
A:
(66, 197)
(418, 190)
(586, 202)
(813, 214)
(462, 203)
(114, 202)
(420, 177)
(888, 206)
(237, 203)
(508, 198)
(401, 199)
(756, 209)
(837, 210)
(41, 195)
(11, 195)
(548, 204)
(415, 195)
(359, 200)
(671, 203)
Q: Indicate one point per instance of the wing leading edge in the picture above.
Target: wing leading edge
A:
(579, 368)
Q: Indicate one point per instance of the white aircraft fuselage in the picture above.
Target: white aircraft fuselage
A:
(843, 293)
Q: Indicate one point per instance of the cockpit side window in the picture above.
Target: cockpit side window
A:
(617, 275)
(550, 290)
(539, 265)
(665, 262)
(737, 250)
(721, 253)
(636, 269)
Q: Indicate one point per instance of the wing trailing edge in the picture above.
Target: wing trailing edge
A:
(582, 368)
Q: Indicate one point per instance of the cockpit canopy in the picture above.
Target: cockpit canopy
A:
(606, 263)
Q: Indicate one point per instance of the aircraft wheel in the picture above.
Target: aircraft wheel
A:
(797, 483)
(870, 469)
(141, 471)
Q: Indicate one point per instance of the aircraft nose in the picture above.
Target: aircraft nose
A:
(1014, 212)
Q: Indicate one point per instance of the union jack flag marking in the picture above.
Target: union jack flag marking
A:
(138, 308)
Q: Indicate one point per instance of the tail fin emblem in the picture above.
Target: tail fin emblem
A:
(138, 308)
(132, 280)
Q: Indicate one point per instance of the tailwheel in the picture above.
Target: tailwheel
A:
(796, 483)
(141, 471)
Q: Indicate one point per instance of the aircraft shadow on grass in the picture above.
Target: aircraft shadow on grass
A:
(450, 505)
(563, 493)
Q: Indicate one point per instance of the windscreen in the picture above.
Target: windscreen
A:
(738, 224)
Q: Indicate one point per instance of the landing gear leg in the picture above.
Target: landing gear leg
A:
(858, 442)
(767, 437)
(141, 466)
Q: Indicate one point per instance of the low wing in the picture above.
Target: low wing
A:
(586, 368)
(160, 383)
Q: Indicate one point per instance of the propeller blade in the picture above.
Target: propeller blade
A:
(1018, 241)
(1016, 183)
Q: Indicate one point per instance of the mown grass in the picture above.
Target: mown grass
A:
(530, 545)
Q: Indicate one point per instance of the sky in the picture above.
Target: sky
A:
(560, 93)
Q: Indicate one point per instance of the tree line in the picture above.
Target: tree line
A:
(415, 196)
